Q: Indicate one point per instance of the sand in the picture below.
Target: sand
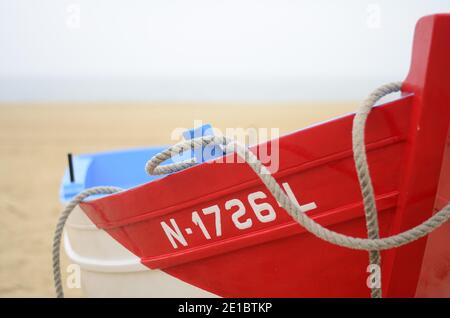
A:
(34, 141)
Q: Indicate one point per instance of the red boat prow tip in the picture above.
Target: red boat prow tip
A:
(216, 226)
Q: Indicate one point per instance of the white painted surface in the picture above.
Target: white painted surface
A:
(109, 270)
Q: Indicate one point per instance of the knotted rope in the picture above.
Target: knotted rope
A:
(373, 243)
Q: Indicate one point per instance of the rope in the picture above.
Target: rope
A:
(60, 227)
(362, 169)
(373, 243)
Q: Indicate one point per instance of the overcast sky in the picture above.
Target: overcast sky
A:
(256, 50)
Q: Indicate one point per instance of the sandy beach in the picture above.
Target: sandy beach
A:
(34, 141)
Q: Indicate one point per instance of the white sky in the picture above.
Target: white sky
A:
(259, 50)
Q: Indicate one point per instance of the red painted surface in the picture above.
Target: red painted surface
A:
(434, 279)
(406, 141)
(429, 80)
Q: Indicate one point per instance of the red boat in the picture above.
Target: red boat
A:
(215, 226)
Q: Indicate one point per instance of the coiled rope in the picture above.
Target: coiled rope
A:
(373, 244)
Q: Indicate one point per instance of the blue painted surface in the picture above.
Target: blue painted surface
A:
(124, 169)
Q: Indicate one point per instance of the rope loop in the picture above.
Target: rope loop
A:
(154, 167)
